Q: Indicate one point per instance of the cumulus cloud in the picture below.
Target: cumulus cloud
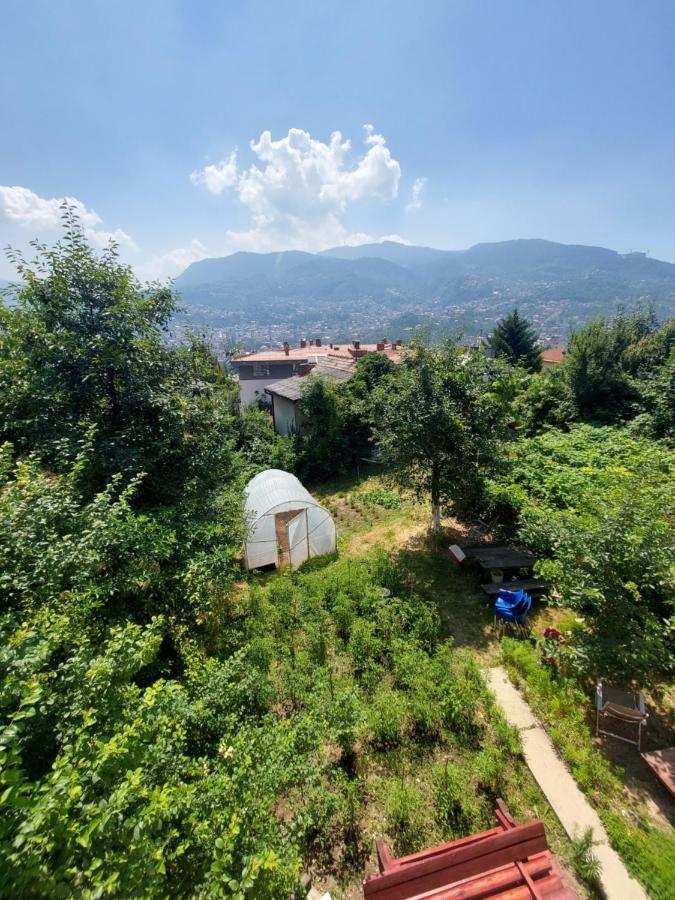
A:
(219, 176)
(416, 196)
(24, 207)
(174, 262)
(299, 188)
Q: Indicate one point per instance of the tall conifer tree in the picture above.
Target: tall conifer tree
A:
(515, 340)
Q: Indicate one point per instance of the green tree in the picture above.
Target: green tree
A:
(598, 365)
(83, 350)
(515, 340)
(356, 395)
(319, 443)
(437, 422)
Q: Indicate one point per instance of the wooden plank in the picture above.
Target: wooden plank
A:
(662, 764)
(508, 561)
(501, 880)
(385, 857)
(412, 858)
(475, 551)
(459, 863)
(525, 584)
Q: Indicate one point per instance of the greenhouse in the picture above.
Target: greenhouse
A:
(286, 525)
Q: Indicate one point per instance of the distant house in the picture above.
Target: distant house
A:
(286, 393)
(264, 367)
(553, 356)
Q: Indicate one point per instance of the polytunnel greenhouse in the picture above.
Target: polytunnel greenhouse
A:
(286, 525)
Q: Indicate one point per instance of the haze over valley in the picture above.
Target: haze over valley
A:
(394, 289)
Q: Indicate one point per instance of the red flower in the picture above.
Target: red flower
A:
(552, 633)
(550, 661)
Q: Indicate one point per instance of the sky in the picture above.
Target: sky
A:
(187, 128)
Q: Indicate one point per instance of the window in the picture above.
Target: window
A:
(260, 370)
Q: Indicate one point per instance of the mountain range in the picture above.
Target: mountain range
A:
(369, 289)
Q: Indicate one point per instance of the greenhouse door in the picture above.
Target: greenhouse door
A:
(298, 539)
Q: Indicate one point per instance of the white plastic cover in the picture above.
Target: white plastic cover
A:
(272, 492)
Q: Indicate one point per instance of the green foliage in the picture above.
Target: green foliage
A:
(649, 853)
(261, 447)
(380, 497)
(83, 358)
(616, 370)
(99, 558)
(621, 367)
(336, 420)
(515, 340)
(546, 400)
(405, 816)
(595, 367)
(598, 503)
(143, 787)
(437, 424)
(320, 441)
(585, 862)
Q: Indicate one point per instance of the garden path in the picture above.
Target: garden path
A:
(566, 799)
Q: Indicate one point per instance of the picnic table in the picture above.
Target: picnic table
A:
(500, 556)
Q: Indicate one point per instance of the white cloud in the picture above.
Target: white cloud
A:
(216, 178)
(416, 197)
(24, 207)
(174, 262)
(299, 188)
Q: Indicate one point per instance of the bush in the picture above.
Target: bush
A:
(597, 504)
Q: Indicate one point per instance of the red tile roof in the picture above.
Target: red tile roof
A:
(553, 354)
(302, 354)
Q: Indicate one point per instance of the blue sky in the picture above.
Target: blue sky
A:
(485, 121)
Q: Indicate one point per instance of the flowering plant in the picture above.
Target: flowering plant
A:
(551, 648)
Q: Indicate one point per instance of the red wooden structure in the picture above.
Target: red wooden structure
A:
(508, 862)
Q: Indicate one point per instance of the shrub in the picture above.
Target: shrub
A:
(405, 817)
(387, 718)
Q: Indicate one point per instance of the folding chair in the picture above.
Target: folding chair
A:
(624, 706)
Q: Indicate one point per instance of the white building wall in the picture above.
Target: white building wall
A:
(284, 415)
(252, 389)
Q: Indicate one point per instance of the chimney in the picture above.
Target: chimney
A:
(318, 342)
(287, 349)
(303, 344)
(357, 345)
(399, 343)
(380, 346)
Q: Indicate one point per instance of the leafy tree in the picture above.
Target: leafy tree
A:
(599, 362)
(356, 395)
(83, 351)
(515, 340)
(437, 423)
(546, 400)
(320, 439)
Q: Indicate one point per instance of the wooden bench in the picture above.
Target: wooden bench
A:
(531, 585)
(507, 861)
